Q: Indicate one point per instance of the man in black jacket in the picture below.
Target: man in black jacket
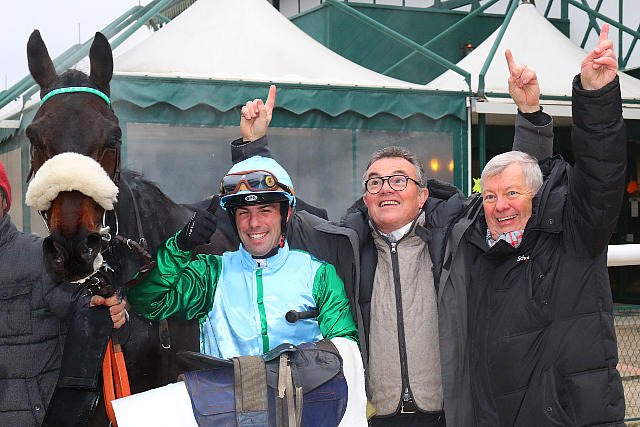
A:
(542, 340)
(33, 314)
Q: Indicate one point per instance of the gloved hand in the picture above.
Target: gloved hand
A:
(200, 227)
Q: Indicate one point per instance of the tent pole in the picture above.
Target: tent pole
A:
(443, 34)
(620, 13)
(606, 19)
(592, 24)
(489, 59)
(630, 50)
(60, 63)
(354, 159)
(482, 141)
(469, 154)
(402, 39)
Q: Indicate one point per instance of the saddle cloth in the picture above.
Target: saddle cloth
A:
(315, 373)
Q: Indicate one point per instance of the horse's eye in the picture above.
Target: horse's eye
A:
(114, 140)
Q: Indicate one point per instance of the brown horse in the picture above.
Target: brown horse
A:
(82, 123)
(76, 117)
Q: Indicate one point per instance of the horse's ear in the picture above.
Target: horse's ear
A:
(101, 60)
(40, 64)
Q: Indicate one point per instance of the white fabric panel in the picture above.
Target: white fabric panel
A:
(243, 40)
(356, 412)
(168, 406)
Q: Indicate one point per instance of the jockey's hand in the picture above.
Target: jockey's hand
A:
(116, 308)
(256, 116)
(199, 229)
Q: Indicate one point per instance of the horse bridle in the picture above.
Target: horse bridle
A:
(139, 247)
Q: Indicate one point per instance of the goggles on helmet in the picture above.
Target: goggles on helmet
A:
(256, 180)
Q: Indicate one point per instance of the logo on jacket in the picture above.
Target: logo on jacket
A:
(523, 258)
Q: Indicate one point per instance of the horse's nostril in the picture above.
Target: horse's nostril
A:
(55, 251)
(89, 248)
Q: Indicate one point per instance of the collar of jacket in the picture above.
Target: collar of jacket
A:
(273, 262)
(357, 219)
(548, 204)
(416, 226)
(8, 231)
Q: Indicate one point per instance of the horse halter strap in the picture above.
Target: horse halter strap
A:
(77, 89)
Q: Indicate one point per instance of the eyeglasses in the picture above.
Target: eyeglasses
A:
(257, 180)
(396, 182)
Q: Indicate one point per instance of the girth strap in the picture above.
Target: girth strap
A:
(250, 391)
(289, 399)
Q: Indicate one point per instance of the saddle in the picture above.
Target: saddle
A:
(289, 386)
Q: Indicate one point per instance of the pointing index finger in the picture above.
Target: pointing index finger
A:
(510, 61)
(604, 33)
(271, 98)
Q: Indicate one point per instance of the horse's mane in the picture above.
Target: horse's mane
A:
(160, 216)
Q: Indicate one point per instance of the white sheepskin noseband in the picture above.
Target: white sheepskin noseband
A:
(69, 172)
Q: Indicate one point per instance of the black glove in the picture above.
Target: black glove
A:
(200, 228)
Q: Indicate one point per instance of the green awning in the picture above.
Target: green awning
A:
(185, 93)
(6, 133)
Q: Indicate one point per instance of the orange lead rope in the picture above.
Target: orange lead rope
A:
(114, 370)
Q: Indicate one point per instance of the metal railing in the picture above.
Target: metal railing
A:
(627, 324)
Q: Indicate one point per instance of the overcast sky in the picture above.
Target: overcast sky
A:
(58, 22)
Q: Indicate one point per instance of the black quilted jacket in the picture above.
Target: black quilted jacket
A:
(33, 310)
(542, 340)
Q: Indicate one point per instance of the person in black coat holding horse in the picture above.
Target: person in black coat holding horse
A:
(34, 311)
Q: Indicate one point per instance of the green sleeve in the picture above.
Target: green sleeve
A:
(178, 285)
(334, 319)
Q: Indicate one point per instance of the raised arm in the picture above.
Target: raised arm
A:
(534, 128)
(599, 147)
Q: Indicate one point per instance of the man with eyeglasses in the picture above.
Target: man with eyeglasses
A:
(413, 331)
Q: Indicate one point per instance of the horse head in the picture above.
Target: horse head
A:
(75, 116)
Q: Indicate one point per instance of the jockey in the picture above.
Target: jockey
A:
(241, 297)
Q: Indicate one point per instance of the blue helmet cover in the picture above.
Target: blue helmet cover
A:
(266, 164)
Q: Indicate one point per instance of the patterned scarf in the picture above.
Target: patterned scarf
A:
(514, 238)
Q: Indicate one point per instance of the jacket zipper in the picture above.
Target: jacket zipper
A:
(404, 370)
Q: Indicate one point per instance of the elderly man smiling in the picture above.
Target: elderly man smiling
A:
(542, 343)
(413, 322)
